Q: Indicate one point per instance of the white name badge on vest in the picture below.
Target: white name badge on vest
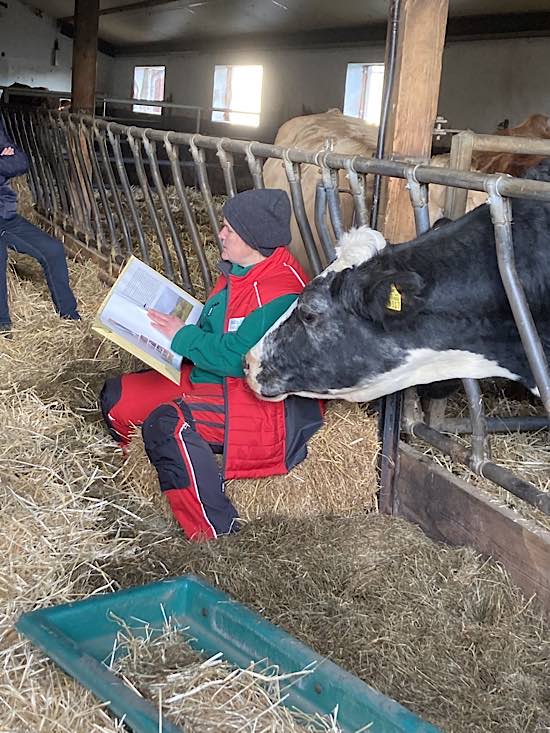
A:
(234, 324)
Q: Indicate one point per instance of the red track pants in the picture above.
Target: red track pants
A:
(183, 426)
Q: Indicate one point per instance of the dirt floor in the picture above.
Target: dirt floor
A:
(440, 630)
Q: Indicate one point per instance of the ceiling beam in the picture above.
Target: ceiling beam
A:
(67, 29)
(141, 5)
(478, 27)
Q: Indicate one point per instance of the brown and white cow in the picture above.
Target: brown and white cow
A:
(349, 135)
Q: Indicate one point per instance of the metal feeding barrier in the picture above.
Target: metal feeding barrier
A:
(85, 172)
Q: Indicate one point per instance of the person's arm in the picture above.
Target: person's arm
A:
(223, 354)
(13, 161)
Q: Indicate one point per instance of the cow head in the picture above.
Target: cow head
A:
(340, 332)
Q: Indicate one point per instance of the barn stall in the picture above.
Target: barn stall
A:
(122, 533)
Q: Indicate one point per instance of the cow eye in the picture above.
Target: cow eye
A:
(307, 316)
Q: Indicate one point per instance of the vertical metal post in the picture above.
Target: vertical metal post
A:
(501, 214)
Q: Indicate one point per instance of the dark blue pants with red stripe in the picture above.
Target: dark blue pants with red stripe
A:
(183, 427)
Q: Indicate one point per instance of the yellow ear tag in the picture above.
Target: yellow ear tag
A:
(394, 301)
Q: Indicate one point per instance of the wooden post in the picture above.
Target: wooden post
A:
(413, 107)
(86, 21)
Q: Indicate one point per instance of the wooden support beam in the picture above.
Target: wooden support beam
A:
(413, 106)
(85, 56)
(450, 510)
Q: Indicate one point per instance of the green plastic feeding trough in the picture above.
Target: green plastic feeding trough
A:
(80, 636)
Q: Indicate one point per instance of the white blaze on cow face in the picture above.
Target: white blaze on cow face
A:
(253, 359)
(422, 366)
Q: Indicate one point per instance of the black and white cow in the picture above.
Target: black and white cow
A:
(350, 335)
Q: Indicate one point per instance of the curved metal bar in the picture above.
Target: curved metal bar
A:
(227, 164)
(113, 187)
(255, 167)
(321, 224)
(96, 225)
(81, 209)
(357, 186)
(501, 214)
(59, 169)
(114, 139)
(135, 145)
(333, 202)
(419, 198)
(498, 474)
(33, 146)
(33, 179)
(96, 172)
(150, 149)
(200, 167)
(172, 152)
(62, 146)
(292, 171)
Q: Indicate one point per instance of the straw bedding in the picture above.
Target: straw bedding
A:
(438, 629)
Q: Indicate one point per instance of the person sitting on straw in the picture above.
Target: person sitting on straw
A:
(20, 235)
(213, 410)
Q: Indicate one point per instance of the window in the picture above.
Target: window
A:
(148, 84)
(237, 96)
(363, 95)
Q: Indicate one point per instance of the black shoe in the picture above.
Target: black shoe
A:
(72, 316)
(5, 330)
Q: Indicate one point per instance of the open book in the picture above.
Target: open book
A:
(123, 317)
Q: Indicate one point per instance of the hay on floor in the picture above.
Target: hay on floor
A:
(337, 477)
(440, 630)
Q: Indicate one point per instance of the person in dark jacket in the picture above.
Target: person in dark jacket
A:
(20, 235)
(213, 410)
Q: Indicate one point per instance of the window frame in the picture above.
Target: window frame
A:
(366, 80)
(141, 108)
(225, 110)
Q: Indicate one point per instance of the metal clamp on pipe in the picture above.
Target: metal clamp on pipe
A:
(419, 199)
(501, 215)
(357, 186)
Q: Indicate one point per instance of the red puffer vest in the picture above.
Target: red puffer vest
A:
(264, 438)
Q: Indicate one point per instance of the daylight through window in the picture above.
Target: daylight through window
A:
(363, 95)
(237, 96)
(148, 84)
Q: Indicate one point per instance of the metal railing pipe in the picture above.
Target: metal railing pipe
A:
(498, 474)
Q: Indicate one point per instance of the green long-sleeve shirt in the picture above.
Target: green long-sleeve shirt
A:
(216, 354)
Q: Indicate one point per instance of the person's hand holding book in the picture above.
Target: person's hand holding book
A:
(166, 324)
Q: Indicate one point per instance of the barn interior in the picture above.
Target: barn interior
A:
(395, 557)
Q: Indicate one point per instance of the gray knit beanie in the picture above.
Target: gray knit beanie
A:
(261, 217)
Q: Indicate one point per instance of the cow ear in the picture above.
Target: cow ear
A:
(382, 297)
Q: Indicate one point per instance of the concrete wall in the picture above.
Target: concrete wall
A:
(483, 82)
(26, 44)
(293, 81)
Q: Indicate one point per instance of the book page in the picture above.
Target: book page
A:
(123, 315)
